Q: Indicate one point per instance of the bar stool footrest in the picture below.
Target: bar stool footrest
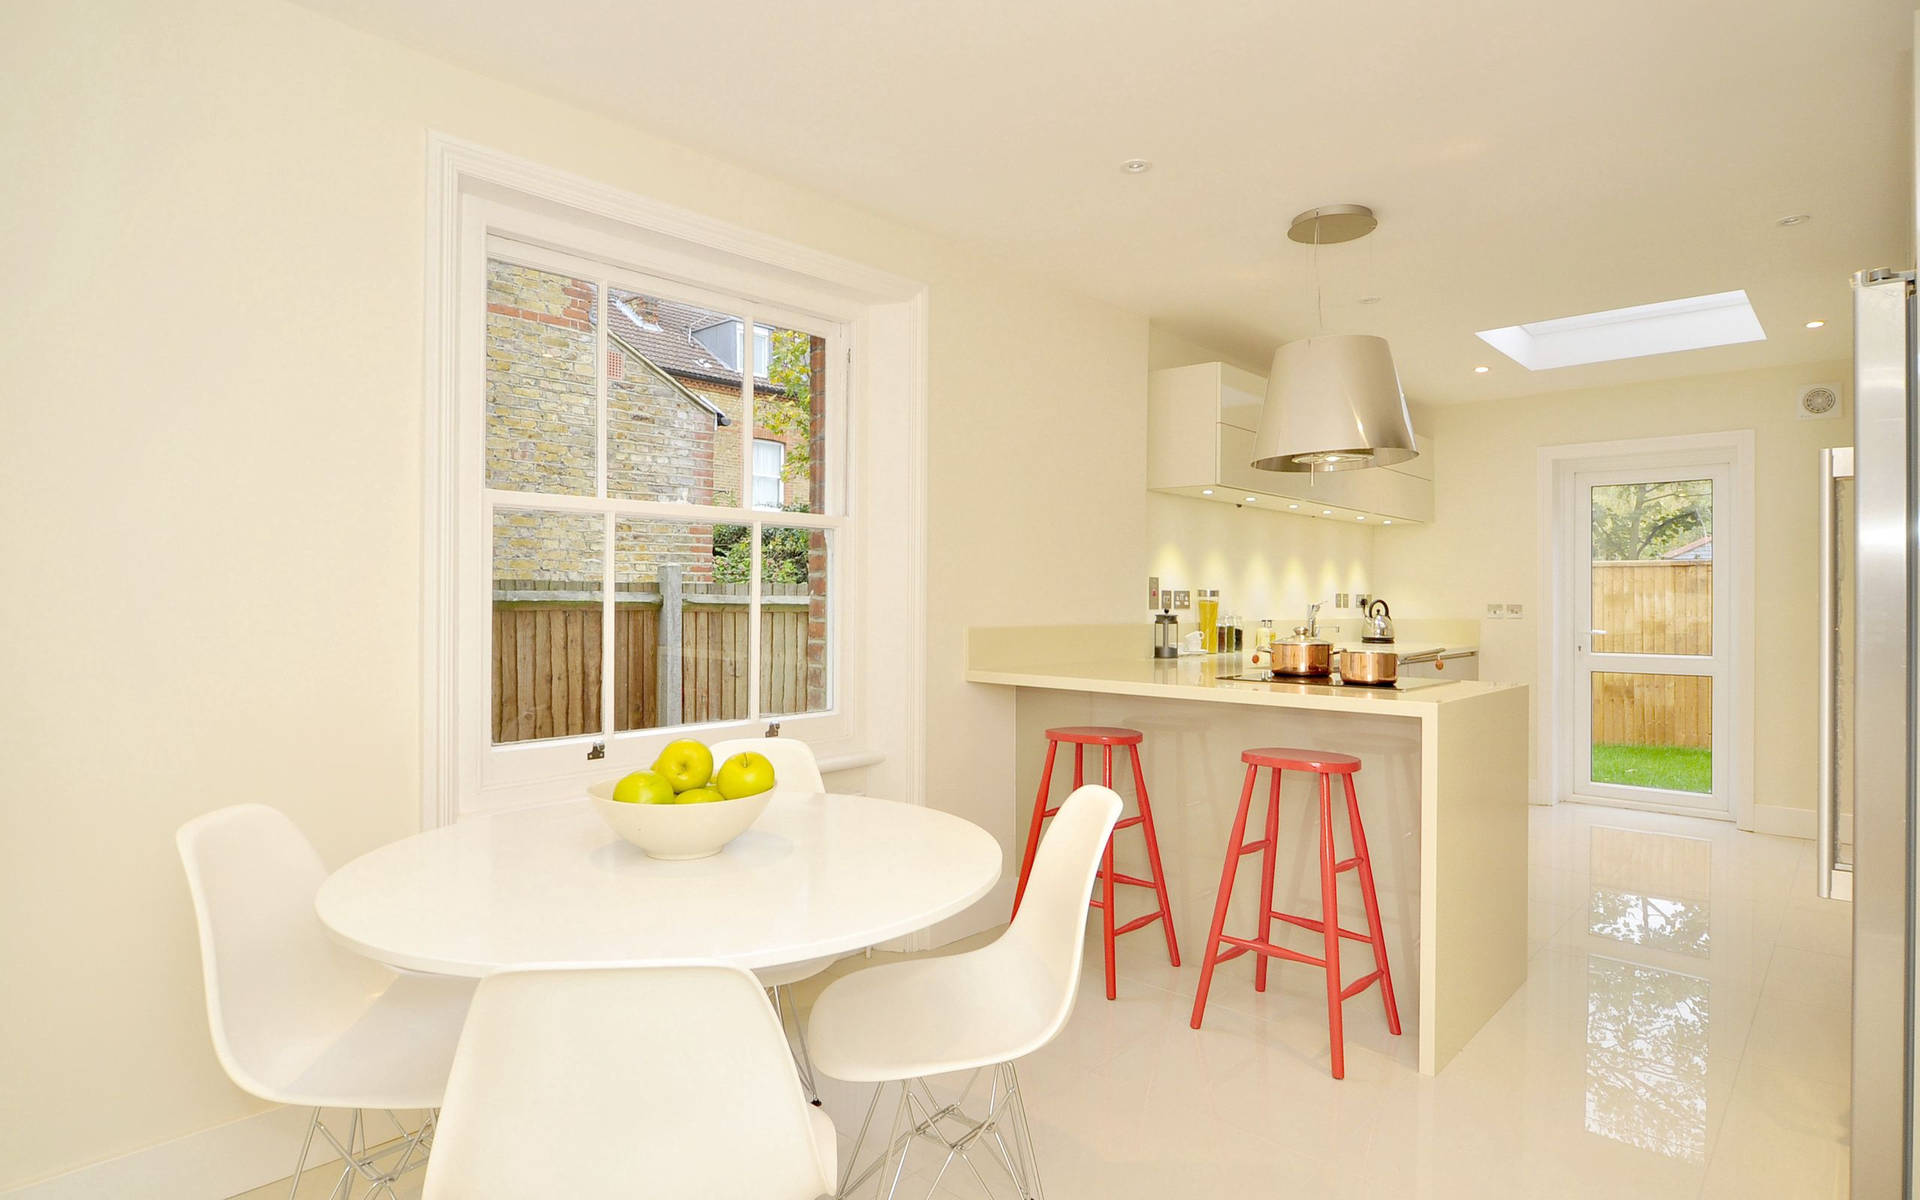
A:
(1268, 949)
(1359, 985)
(1320, 926)
(1138, 923)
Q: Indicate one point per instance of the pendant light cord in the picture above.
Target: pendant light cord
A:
(1319, 301)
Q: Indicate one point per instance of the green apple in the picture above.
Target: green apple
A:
(643, 787)
(745, 774)
(685, 764)
(698, 796)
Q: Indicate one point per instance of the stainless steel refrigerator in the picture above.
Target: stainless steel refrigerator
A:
(1869, 735)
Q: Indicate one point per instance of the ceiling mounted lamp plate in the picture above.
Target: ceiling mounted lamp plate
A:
(1334, 401)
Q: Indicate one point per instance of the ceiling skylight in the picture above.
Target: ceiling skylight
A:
(1722, 319)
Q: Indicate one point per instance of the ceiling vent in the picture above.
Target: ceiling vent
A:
(1820, 400)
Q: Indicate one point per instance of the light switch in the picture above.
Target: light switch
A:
(1515, 611)
(1153, 591)
(1496, 612)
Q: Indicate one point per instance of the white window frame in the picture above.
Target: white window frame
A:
(1557, 711)
(879, 685)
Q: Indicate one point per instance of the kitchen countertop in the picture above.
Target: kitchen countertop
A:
(1208, 677)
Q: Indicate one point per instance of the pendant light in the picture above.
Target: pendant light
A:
(1333, 400)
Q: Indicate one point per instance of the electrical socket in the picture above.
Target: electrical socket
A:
(1496, 612)
(1516, 611)
(1183, 599)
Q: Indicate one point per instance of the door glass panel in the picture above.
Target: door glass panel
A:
(681, 644)
(793, 621)
(541, 392)
(1652, 547)
(547, 596)
(790, 407)
(1653, 731)
(673, 401)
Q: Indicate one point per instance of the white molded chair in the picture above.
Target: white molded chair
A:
(298, 1019)
(671, 1082)
(897, 1024)
(794, 770)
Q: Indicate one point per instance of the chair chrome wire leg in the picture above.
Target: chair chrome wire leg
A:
(783, 1005)
(300, 1166)
(359, 1159)
(1003, 1133)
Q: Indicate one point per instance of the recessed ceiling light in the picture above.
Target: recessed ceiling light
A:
(1136, 166)
(1816, 324)
(1250, 499)
(1206, 491)
(1368, 300)
(1692, 323)
(1293, 506)
(1795, 219)
(1361, 517)
(1326, 512)
(1388, 521)
(1481, 370)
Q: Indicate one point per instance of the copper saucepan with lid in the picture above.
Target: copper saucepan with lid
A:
(1302, 654)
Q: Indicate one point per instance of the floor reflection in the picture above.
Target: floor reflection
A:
(1647, 1057)
(1650, 889)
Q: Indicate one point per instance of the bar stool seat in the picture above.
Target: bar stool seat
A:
(1287, 758)
(1108, 739)
(1095, 735)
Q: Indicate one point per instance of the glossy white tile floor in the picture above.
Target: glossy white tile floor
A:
(1682, 1032)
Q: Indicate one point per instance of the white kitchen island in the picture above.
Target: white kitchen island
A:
(1443, 794)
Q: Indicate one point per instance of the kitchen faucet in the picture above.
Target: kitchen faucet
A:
(1313, 618)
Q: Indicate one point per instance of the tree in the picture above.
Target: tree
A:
(783, 553)
(1633, 521)
(790, 368)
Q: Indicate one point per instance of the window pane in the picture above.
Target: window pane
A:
(794, 621)
(681, 644)
(1652, 549)
(769, 462)
(547, 574)
(1653, 731)
(673, 401)
(541, 389)
(790, 407)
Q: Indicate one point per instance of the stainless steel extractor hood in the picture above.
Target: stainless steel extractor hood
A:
(1333, 404)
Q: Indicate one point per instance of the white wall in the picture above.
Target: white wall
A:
(1266, 564)
(1482, 545)
(210, 460)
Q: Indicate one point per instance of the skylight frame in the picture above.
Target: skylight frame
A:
(1637, 331)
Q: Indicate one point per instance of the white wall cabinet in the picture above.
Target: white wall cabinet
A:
(1201, 423)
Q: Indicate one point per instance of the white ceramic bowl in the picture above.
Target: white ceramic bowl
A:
(676, 831)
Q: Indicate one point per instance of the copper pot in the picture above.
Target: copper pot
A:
(1302, 654)
(1369, 666)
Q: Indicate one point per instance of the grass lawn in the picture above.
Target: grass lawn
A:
(1678, 768)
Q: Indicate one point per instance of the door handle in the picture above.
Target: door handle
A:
(1826, 807)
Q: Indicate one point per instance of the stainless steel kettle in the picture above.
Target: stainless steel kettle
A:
(1379, 623)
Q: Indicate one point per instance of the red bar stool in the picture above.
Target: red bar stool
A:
(1106, 737)
(1326, 766)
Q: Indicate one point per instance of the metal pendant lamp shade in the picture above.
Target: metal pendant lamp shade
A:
(1333, 404)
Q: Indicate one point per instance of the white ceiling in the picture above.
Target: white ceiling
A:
(1527, 160)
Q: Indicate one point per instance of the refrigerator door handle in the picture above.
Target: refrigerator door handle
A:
(1827, 808)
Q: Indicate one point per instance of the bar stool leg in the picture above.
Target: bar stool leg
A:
(1153, 857)
(1033, 829)
(1226, 896)
(1106, 880)
(1372, 902)
(1330, 926)
(1266, 881)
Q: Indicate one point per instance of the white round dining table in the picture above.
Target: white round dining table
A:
(817, 876)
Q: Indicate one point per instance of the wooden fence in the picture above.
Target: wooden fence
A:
(687, 643)
(1653, 607)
